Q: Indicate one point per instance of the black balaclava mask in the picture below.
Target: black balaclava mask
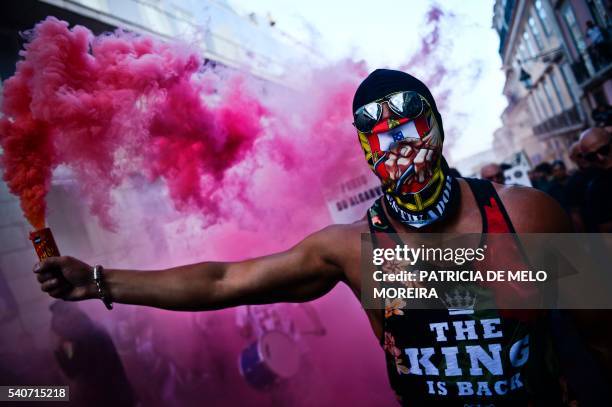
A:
(406, 154)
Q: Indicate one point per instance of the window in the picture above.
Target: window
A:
(536, 110)
(555, 86)
(540, 102)
(574, 29)
(576, 34)
(522, 53)
(598, 10)
(531, 51)
(570, 84)
(155, 18)
(516, 65)
(546, 88)
(98, 5)
(535, 32)
(543, 17)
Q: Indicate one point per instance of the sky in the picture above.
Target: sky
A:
(386, 36)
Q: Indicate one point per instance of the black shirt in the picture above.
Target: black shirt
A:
(598, 201)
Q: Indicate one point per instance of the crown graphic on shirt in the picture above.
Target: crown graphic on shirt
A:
(459, 301)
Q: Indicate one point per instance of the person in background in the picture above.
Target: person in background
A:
(559, 171)
(577, 186)
(540, 176)
(576, 156)
(602, 115)
(598, 44)
(594, 33)
(595, 144)
(595, 147)
(88, 358)
(558, 184)
(493, 172)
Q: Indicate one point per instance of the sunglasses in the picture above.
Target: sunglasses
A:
(408, 105)
(603, 151)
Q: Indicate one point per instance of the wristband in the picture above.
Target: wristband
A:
(102, 294)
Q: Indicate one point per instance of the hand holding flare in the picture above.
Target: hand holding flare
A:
(44, 243)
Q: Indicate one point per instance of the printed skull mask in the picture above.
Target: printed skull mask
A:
(401, 133)
(404, 153)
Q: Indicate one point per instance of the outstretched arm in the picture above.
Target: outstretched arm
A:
(304, 272)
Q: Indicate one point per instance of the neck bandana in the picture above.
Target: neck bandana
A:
(445, 203)
(406, 154)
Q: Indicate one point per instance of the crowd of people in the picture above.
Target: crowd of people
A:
(585, 192)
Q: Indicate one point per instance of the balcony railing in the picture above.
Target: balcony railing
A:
(600, 58)
(567, 118)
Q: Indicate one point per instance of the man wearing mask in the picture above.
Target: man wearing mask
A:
(401, 133)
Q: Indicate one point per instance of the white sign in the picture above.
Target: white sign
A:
(517, 174)
(348, 200)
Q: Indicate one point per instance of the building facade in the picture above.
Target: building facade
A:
(588, 49)
(552, 82)
(246, 42)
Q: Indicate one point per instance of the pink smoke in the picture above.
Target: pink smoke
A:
(120, 104)
(94, 103)
(430, 62)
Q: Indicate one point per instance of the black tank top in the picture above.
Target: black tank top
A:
(463, 357)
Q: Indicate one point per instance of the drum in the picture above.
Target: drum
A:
(269, 360)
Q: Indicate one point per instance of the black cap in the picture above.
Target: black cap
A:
(383, 82)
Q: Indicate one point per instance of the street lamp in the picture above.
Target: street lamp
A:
(525, 78)
(546, 56)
